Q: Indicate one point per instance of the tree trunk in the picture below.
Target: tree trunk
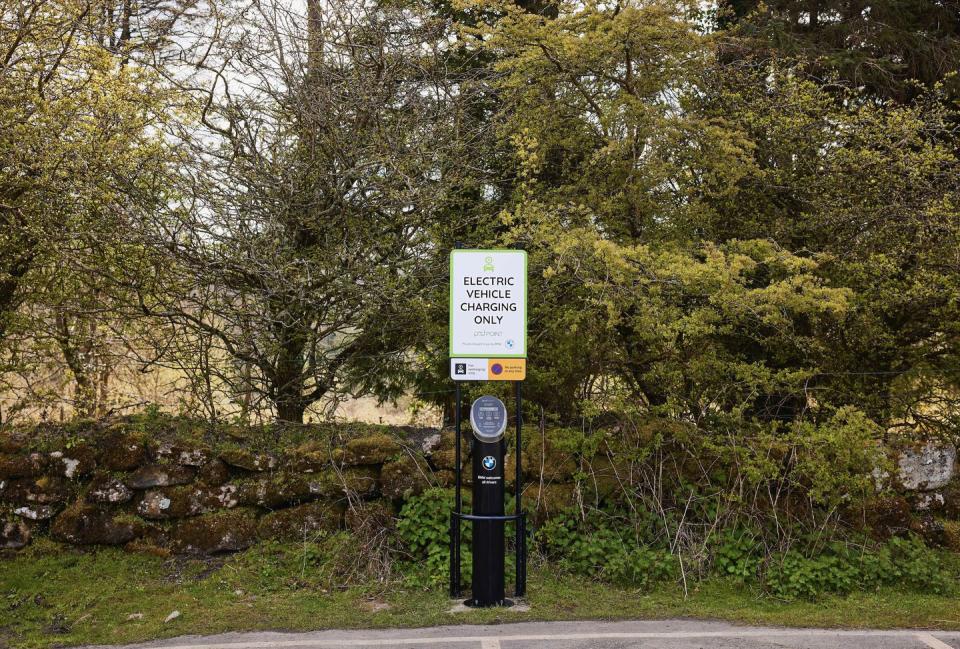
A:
(290, 411)
(288, 370)
(85, 399)
(76, 355)
(314, 35)
(15, 263)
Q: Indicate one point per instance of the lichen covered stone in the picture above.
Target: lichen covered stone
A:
(75, 462)
(928, 467)
(35, 512)
(406, 477)
(186, 501)
(159, 475)
(368, 450)
(227, 531)
(276, 490)
(109, 490)
(14, 535)
(249, 461)
(303, 522)
(45, 490)
(86, 524)
(186, 453)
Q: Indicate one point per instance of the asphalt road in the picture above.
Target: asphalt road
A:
(658, 634)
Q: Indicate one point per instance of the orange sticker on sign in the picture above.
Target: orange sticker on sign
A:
(506, 369)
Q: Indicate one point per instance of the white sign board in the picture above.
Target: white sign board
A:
(488, 303)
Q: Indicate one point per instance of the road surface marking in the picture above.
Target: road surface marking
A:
(491, 642)
(932, 642)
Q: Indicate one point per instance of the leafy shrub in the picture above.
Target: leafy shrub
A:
(736, 555)
(424, 530)
(595, 548)
(834, 460)
(843, 568)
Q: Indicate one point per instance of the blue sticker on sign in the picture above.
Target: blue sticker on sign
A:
(489, 463)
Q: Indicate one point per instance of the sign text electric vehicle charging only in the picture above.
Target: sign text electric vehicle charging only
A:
(488, 342)
(488, 303)
(488, 315)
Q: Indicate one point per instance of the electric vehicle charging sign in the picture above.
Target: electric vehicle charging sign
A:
(488, 418)
(488, 304)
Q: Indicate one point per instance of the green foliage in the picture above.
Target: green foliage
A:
(423, 528)
(835, 567)
(601, 550)
(720, 243)
(835, 460)
(859, 186)
(737, 267)
(736, 555)
(901, 45)
(423, 523)
(82, 159)
(843, 568)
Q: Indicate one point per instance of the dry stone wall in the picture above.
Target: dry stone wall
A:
(117, 486)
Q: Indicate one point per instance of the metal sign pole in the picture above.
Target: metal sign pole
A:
(520, 587)
(457, 505)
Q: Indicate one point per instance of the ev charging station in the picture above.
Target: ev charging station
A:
(488, 337)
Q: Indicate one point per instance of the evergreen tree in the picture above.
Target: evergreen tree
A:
(880, 46)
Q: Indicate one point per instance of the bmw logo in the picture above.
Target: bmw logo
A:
(489, 463)
(510, 344)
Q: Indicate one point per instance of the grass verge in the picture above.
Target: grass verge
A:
(58, 596)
